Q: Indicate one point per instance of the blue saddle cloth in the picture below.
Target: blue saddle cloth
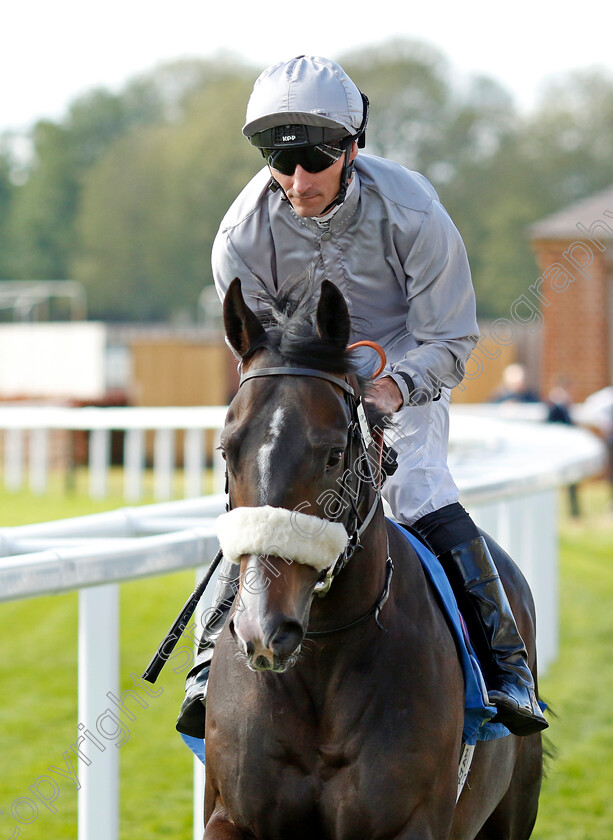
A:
(477, 711)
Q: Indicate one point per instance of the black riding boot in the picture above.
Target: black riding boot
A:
(492, 626)
(193, 709)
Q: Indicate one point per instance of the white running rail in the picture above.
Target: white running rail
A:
(27, 431)
(509, 473)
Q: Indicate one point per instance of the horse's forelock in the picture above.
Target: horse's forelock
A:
(290, 320)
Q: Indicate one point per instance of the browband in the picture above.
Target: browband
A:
(297, 371)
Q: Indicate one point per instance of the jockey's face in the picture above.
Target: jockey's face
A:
(311, 192)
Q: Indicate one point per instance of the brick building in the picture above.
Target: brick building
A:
(574, 251)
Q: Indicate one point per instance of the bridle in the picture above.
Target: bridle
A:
(352, 498)
(360, 437)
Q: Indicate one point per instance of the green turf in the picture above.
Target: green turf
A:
(38, 687)
(577, 800)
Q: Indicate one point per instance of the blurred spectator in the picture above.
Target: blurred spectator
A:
(558, 405)
(597, 412)
(609, 440)
(559, 402)
(514, 388)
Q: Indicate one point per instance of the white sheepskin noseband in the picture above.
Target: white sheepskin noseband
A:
(282, 533)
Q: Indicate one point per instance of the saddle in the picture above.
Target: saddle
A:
(477, 711)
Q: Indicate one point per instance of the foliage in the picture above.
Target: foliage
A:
(420, 118)
(6, 196)
(126, 192)
(152, 205)
(568, 141)
(43, 219)
(496, 171)
(41, 225)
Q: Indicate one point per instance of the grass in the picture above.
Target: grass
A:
(68, 495)
(38, 686)
(576, 802)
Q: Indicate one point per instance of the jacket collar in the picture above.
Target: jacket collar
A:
(343, 215)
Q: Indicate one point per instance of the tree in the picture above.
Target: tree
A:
(420, 117)
(152, 204)
(568, 139)
(43, 214)
(127, 191)
(495, 171)
(43, 210)
(459, 136)
(558, 154)
(6, 198)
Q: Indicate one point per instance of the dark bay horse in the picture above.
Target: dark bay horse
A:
(337, 717)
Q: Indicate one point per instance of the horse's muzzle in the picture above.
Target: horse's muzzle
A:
(277, 651)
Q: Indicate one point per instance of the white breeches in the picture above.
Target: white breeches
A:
(422, 483)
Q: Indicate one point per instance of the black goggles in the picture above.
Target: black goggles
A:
(311, 158)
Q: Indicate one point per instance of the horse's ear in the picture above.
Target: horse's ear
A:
(333, 321)
(242, 326)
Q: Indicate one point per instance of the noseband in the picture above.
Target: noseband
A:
(360, 436)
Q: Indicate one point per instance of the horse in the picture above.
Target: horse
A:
(336, 699)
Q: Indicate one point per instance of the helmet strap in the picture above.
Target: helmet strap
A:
(344, 185)
(359, 138)
(274, 186)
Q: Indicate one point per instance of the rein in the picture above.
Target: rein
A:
(374, 610)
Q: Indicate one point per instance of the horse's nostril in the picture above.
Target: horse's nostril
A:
(287, 638)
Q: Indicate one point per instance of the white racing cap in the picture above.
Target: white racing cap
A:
(308, 91)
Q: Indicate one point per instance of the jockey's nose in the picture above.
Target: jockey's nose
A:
(302, 179)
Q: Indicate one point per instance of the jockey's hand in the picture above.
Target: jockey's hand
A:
(385, 395)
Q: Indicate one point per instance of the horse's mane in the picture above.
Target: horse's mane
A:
(290, 320)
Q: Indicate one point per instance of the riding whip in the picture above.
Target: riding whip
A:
(170, 640)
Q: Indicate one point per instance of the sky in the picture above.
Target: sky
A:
(51, 52)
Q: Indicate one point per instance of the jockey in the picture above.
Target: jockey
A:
(380, 233)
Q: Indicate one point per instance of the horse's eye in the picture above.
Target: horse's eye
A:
(222, 451)
(334, 459)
